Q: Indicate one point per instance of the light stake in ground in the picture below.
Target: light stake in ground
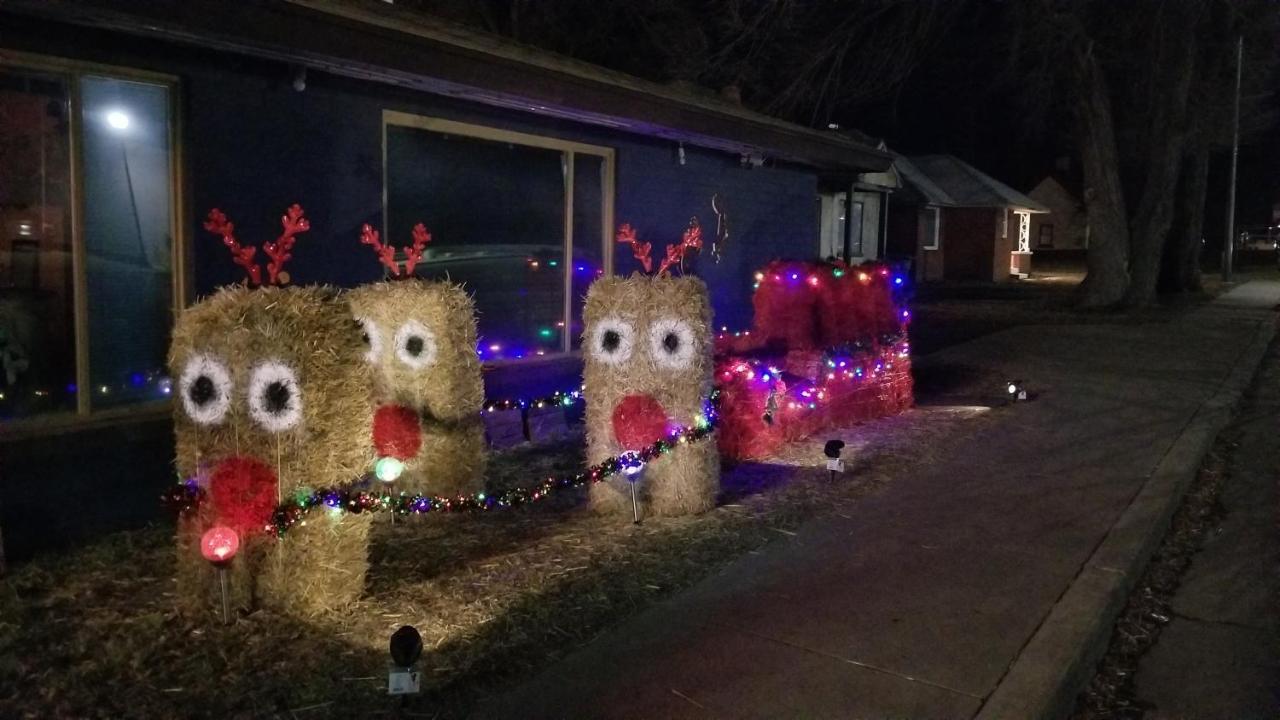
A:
(219, 545)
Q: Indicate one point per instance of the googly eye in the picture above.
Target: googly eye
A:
(415, 345)
(612, 340)
(275, 400)
(671, 343)
(372, 339)
(205, 387)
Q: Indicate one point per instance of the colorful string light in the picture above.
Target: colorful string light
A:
(187, 496)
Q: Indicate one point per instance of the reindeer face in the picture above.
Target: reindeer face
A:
(269, 386)
(420, 340)
(647, 365)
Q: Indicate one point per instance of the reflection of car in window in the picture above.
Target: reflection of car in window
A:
(518, 291)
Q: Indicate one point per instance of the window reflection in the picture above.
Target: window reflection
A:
(37, 328)
(496, 211)
(127, 236)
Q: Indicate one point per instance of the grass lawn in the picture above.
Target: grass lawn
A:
(92, 633)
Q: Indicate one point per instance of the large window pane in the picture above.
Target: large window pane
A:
(37, 328)
(496, 213)
(588, 216)
(127, 236)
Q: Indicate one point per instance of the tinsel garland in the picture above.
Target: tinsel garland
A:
(187, 496)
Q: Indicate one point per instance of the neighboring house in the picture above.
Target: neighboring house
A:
(124, 123)
(1066, 227)
(958, 223)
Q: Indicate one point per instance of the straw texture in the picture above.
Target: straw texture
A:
(253, 344)
(641, 311)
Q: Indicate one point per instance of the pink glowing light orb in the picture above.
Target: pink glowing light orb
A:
(219, 544)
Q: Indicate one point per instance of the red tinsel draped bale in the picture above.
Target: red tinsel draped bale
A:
(786, 306)
(271, 398)
(646, 351)
(889, 317)
(744, 402)
(808, 364)
(427, 382)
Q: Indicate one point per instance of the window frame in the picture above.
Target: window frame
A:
(933, 243)
(1040, 243)
(72, 72)
(568, 149)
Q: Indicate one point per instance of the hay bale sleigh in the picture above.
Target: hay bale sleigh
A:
(273, 401)
(647, 367)
(420, 340)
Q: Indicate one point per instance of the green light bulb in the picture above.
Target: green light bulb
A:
(388, 469)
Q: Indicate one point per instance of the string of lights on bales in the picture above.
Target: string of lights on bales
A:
(187, 497)
(389, 418)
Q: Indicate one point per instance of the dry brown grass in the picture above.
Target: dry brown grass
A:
(92, 633)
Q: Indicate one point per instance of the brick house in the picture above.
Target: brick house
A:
(952, 221)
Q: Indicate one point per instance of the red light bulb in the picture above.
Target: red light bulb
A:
(219, 544)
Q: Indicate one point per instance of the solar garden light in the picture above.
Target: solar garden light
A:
(406, 648)
(832, 451)
(388, 469)
(632, 470)
(219, 545)
(1017, 391)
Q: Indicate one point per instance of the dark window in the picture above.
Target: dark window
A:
(1046, 236)
(497, 211)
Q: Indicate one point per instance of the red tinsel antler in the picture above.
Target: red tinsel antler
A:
(218, 224)
(691, 240)
(293, 223)
(387, 253)
(627, 235)
(413, 253)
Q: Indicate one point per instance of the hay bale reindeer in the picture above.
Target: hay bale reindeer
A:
(647, 369)
(420, 340)
(273, 399)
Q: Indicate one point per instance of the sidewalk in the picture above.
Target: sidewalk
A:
(1219, 657)
(954, 582)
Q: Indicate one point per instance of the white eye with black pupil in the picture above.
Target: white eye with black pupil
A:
(415, 345)
(671, 343)
(205, 387)
(372, 339)
(275, 401)
(611, 340)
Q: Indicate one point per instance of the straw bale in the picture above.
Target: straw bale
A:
(644, 309)
(447, 393)
(318, 438)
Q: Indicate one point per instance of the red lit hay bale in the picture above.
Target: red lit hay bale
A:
(647, 368)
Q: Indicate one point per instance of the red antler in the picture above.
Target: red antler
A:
(218, 224)
(293, 223)
(387, 253)
(641, 251)
(413, 253)
(691, 240)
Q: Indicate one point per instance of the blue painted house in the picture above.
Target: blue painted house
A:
(123, 122)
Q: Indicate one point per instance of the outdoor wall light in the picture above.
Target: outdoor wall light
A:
(118, 120)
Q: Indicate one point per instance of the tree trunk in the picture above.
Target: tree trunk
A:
(1181, 263)
(1165, 143)
(1107, 255)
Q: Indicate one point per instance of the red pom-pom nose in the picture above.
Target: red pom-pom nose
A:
(639, 421)
(244, 493)
(396, 432)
